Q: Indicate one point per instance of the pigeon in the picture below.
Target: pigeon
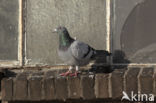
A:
(72, 51)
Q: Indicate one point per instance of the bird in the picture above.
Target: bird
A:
(72, 51)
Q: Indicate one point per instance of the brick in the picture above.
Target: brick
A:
(117, 83)
(61, 88)
(49, 88)
(74, 88)
(147, 80)
(7, 89)
(131, 80)
(4, 102)
(87, 84)
(51, 73)
(101, 86)
(3, 73)
(38, 73)
(35, 88)
(155, 81)
(20, 88)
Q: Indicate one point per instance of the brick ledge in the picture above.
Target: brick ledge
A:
(47, 85)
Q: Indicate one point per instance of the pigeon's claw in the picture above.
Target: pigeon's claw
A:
(66, 73)
(74, 74)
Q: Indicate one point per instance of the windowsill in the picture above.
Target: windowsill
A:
(45, 84)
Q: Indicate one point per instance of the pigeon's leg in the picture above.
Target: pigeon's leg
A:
(68, 72)
(76, 72)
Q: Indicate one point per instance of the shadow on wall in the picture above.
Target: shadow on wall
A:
(119, 57)
(138, 33)
(102, 57)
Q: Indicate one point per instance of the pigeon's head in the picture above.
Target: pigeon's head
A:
(61, 30)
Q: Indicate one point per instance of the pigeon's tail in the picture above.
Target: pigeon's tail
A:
(94, 53)
(103, 52)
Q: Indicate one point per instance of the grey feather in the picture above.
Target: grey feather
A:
(71, 51)
(81, 50)
(74, 55)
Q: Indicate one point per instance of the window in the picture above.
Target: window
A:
(10, 33)
(124, 27)
(134, 31)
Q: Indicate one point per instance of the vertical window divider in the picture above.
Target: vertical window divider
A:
(20, 38)
(108, 29)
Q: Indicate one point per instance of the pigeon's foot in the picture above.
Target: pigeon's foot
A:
(74, 74)
(66, 73)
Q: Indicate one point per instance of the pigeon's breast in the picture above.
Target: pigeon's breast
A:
(66, 57)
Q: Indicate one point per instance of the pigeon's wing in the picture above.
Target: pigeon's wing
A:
(81, 50)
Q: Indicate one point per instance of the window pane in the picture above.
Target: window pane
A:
(85, 19)
(9, 16)
(134, 31)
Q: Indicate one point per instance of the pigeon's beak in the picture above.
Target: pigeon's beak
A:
(55, 30)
